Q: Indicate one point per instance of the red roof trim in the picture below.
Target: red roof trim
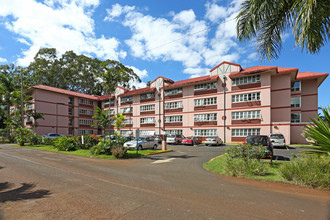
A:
(193, 80)
(235, 64)
(138, 91)
(306, 75)
(121, 88)
(105, 97)
(167, 79)
(252, 70)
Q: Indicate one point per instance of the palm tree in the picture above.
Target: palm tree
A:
(101, 119)
(268, 19)
(36, 116)
(319, 130)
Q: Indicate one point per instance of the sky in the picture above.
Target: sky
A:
(176, 39)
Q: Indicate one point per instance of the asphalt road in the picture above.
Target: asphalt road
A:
(44, 185)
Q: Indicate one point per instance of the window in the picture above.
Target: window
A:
(295, 86)
(29, 106)
(145, 108)
(150, 120)
(147, 96)
(111, 111)
(205, 132)
(295, 102)
(246, 115)
(246, 80)
(70, 111)
(28, 119)
(70, 130)
(173, 105)
(168, 132)
(173, 91)
(147, 132)
(206, 101)
(127, 121)
(295, 117)
(85, 122)
(126, 110)
(70, 100)
(170, 119)
(70, 122)
(86, 102)
(205, 117)
(126, 99)
(245, 132)
(126, 132)
(255, 96)
(205, 86)
(86, 112)
(86, 132)
(106, 102)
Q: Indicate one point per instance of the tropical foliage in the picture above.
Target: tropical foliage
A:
(319, 130)
(267, 21)
(102, 119)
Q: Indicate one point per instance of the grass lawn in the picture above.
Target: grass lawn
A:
(86, 153)
(217, 166)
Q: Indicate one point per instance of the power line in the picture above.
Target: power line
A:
(188, 35)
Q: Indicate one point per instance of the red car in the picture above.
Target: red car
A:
(191, 141)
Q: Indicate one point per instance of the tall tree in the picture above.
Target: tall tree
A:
(36, 116)
(268, 19)
(101, 119)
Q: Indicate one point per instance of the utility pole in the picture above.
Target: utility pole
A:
(224, 108)
(22, 101)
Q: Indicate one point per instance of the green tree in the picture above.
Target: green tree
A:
(36, 116)
(268, 19)
(101, 119)
(118, 119)
(319, 130)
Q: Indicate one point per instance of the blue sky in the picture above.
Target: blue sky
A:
(176, 39)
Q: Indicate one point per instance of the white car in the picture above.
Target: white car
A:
(277, 140)
(174, 138)
(214, 140)
(142, 143)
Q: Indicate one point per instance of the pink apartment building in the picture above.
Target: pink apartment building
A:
(231, 102)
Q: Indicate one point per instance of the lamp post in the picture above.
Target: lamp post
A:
(224, 108)
(159, 120)
(58, 103)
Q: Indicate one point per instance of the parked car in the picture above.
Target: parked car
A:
(111, 137)
(213, 140)
(142, 143)
(174, 138)
(53, 135)
(277, 140)
(256, 140)
(191, 141)
(158, 138)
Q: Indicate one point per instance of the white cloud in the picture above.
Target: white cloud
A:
(62, 24)
(142, 74)
(3, 60)
(116, 11)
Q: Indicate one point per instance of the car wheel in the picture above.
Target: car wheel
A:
(206, 145)
(155, 147)
(140, 147)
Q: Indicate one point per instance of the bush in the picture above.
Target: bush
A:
(34, 138)
(246, 152)
(241, 167)
(103, 147)
(48, 141)
(89, 141)
(118, 151)
(311, 171)
(21, 135)
(64, 144)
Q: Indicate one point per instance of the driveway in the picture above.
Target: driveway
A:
(44, 185)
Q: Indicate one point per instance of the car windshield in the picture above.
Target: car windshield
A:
(276, 136)
(140, 139)
(171, 136)
(256, 140)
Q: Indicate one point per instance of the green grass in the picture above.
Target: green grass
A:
(86, 153)
(217, 166)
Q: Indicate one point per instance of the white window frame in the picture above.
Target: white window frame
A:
(246, 80)
(168, 132)
(205, 132)
(243, 132)
(294, 88)
(147, 96)
(86, 111)
(127, 121)
(148, 120)
(173, 119)
(173, 91)
(126, 99)
(173, 105)
(205, 117)
(205, 101)
(295, 105)
(85, 122)
(296, 120)
(246, 97)
(246, 115)
(206, 86)
(147, 132)
(86, 132)
(126, 110)
(146, 108)
(86, 102)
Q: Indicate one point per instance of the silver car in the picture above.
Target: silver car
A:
(174, 138)
(277, 140)
(214, 140)
(142, 143)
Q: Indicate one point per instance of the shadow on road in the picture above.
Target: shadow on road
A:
(281, 158)
(21, 193)
(152, 157)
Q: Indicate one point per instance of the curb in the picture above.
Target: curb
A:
(216, 157)
(160, 152)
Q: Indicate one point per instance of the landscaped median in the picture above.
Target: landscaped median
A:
(310, 171)
(87, 153)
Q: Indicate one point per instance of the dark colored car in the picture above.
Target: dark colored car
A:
(52, 135)
(191, 141)
(158, 138)
(256, 140)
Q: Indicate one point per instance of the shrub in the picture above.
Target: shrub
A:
(103, 147)
(89, 141)
(34, 138)
(241, 167)
(246, 152)
(64, 144)
(48, 141)
(118, 151)
(21, 135)
(311, 171)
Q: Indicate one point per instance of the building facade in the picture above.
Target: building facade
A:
(230, 102)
